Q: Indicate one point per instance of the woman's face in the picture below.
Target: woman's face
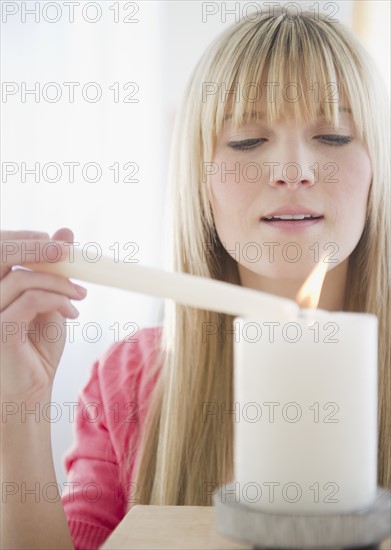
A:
(263, 172)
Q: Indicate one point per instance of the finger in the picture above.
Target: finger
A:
(63, 234)
(6, 235)
(18, 252)
(18, 281)
(32, 303)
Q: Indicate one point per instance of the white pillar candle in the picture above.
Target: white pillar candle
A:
(305, 436)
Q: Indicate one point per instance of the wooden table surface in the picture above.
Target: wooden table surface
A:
(177, 527)
(164, 527)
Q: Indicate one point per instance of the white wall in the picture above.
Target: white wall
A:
(158, 53)
(104, 132)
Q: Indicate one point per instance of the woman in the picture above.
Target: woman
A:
(282, 116)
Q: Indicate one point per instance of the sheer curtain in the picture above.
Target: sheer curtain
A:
(100, 162)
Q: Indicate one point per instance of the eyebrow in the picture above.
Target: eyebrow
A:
(262, 114)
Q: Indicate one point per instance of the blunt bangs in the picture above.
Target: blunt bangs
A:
(299, 68)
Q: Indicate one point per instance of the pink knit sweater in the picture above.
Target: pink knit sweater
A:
(112, 406)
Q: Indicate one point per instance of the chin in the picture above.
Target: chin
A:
(283, 269)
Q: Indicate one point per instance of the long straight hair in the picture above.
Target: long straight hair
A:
(184, 454)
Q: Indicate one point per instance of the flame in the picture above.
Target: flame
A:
(309, 294)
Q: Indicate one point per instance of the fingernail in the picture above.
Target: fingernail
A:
(80, 290)
(76, 312)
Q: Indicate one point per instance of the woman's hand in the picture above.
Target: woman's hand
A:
(33, 306)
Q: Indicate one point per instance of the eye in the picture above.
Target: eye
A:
(245, 144)
(335, 139)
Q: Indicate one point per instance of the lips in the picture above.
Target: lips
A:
(291, 218)
(291, 214)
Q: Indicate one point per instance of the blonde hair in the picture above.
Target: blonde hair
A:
(180, 456)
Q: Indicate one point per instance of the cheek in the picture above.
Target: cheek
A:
(354, 181)
(349, 197)
(230, 191)
(225, 195)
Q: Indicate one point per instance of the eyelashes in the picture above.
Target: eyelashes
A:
(246, 144)
(336, 140)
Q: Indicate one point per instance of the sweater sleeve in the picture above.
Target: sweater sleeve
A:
(92, 501)
(111, 407)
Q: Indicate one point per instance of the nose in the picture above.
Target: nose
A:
(292, 175)
(294, 170)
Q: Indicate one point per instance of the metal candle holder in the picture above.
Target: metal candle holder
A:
(362, 529)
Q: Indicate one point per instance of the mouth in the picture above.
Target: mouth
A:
(292, 222)
(291, 218)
